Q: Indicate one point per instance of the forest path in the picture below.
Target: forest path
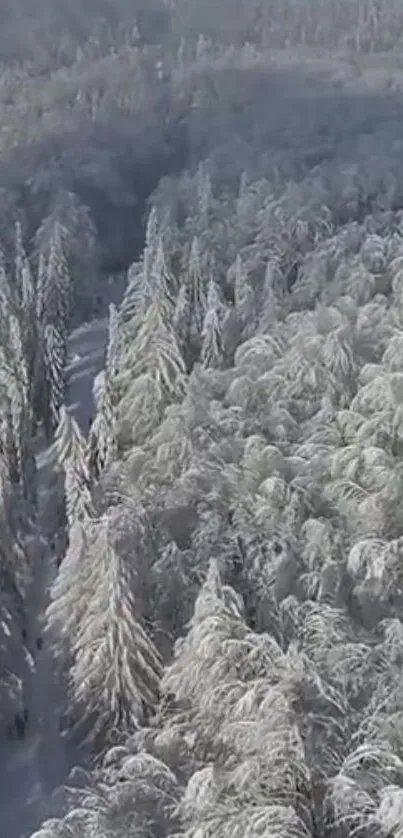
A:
(30, 769)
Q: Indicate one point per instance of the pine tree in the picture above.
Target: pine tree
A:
(19, 432)
(244, 298)
(102, 444)
(14, 378)
(57, 290)
(196, 283)
(162, 280)
(28, 321)
(112, 352)
(137, 295)
(53, 302)
(71, 455)
(211, 351)
(41, 289)
(25, 293)
(55, 356)
(8, 304)
(152, 373)
(69, 593)
(230, 692)
(19, 261)
(9, 444)
(273, 297)
(151, 240)
(116, 671)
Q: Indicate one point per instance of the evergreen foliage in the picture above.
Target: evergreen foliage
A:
(204, 513)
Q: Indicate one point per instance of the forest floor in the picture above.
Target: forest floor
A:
(30, 769)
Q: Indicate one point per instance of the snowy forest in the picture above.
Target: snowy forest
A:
(201, 432)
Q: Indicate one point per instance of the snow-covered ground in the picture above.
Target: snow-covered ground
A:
(30, 769)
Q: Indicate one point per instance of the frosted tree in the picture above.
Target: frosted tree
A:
(338, 355)
(273, 296)
(191, 304)
(102, 445)
(17, 485)
(116, 671)
(140, 279)
(69, 593)
(55, 356)
(41, 280)
(137, 295)
(152, 373)
(151, 239)
(231, 691)
(244, 297)
(112, 351)
(53, 312)
(57, 290)
(7, 297)
(131, 794)
(20, 257)
(71, 455)
(196, 282)
(162, 280)
(68, 225)
(15, 380)
(8, 441)
(39, 384)
(182, 316)
(140, 290)
(211, 351)
(69, 442)
(27, 291)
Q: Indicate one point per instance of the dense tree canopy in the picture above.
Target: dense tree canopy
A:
(217, 558)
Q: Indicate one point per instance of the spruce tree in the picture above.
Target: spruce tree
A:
(54, 365)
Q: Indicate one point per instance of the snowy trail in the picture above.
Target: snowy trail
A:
(31, 769)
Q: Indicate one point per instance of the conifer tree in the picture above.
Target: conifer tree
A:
(137, 294)
(244, 298)
(41, 289)
(40, 396)
(71, 455)
(161, 279)
(57, 291)
(151, 238)
(211, 351)
(154, 372)
(116, 671)
(8, 440)
(14, 378)
(8, 304)
(25, 309)
(182, 316)
(102, 436)
(231, 692)
(69, 592)
(196, 282)
(19, 261)
(54, 355)
(53, 300)
(112, 351)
